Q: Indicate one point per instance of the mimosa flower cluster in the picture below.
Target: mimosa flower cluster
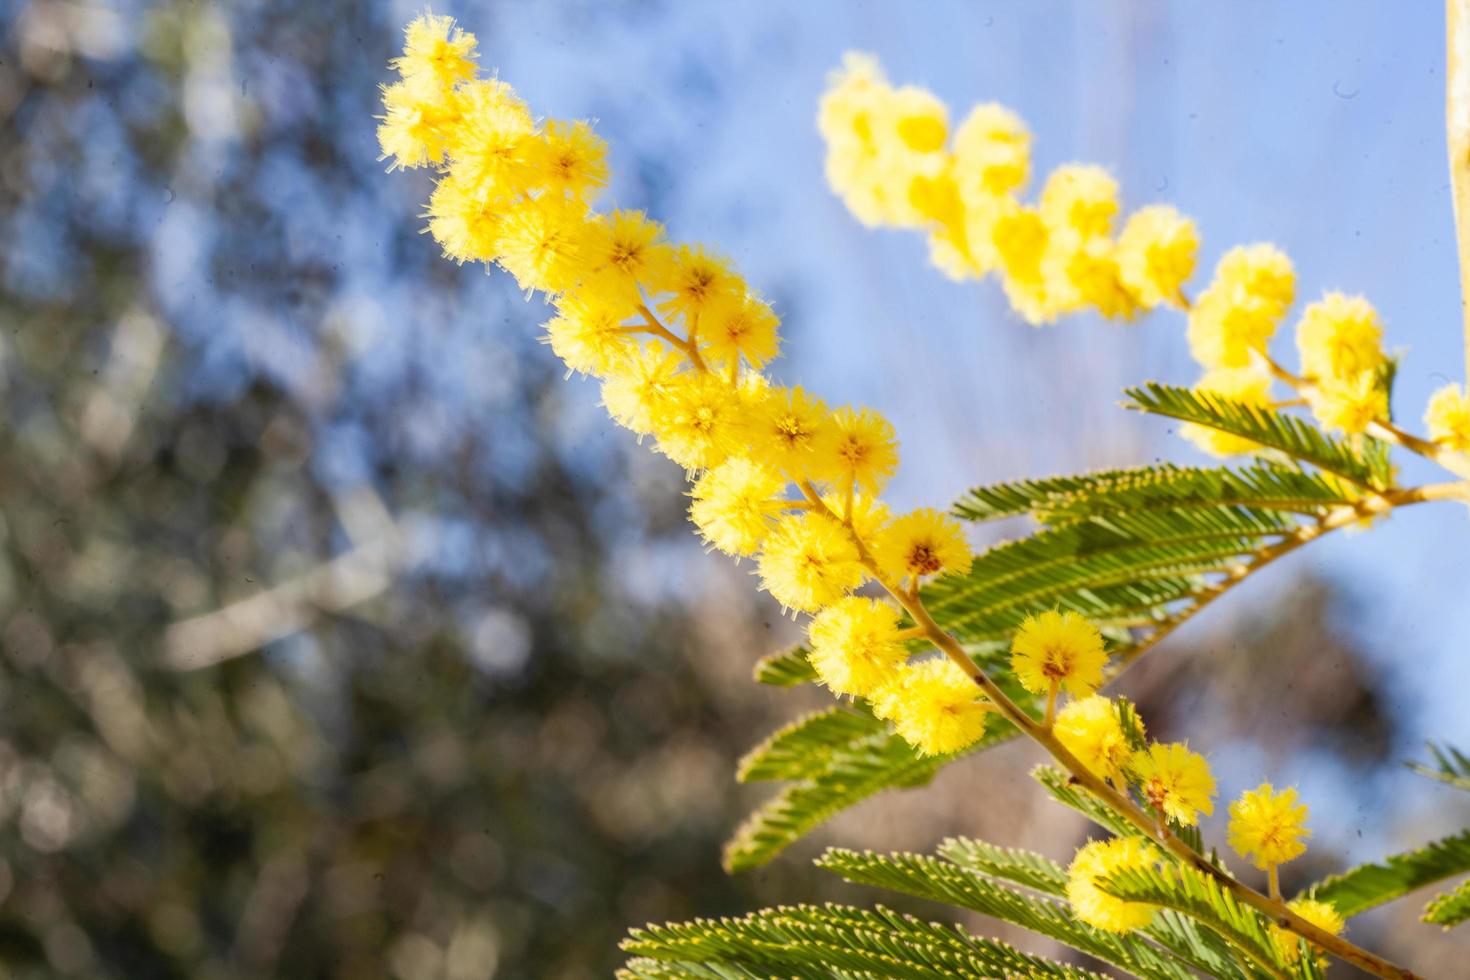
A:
(895, 161)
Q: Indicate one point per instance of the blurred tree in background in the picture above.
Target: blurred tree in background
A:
(332, 645)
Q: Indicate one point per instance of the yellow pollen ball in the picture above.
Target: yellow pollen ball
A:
(1092, 730)
(1174, 780)
(1061, 649)
(1339, 337)
(1268, 827)
(1098, 860)
(934, 706)
(1320, 914)
(809, 561)
(855, 646)
(1448, 418)
(734, 504)
(860, 451)
(921, 544)
(1157, 251)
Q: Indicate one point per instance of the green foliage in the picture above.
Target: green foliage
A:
(833, 941)
(789, 668)
(1291, 435)
(1060, 785)
(805, 747)
(1450, 766)
(1371, 885)
(1026, 868)
(1059, 500)
(1451, 908)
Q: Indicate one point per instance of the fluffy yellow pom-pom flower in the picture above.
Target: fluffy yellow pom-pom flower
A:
(467, 226)
(640, 388)
(809, 561)
(1448, 418)
(1251, 385)
(920, 544)
(855, 645)
(733, 504)
(934, 706)
(625, 249)
(860, 450)
(419, 116)
(701, 422)
(697, 278)
(1268, 828)
(434, 48)
(1091, 730)
(1339, 337)
(865, 514)
(489, 146)
(739, 325)
(544, 244)
(788, 429)
(992, 152)
(1081, 199)
(1261, 271)
(570, 159)
(1098, 860)
(1174, 780)
(1157, 251)
(1243, 306)
(1320, 914)
(587, 333)
(1058, 650)
(1349, 404)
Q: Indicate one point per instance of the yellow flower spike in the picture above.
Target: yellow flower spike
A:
(992, 150)
(701, 422)
(489, 146)
(626, 250)
(1348, 404)
(1228, 325)
(436, 50)
(739, 325)
(544, 244)
(934, 706)
(855, 645)
(1098, 860)
(1174, 780)
(419, 115)
(1339, 337)
(468, 227)
(912, 120)
(1320, 914)
(865, 514)
(697, 278)
(640, 389)
(569, 159)
(1091, 730)
(1058, 651)
(861, 450)
(1261, 271)
(1267, 827)
(1448, 418)
(1157, 251)
(854, 93)
(1079, 199)
(733, 504)
(789, 430)
(1251, 385)
(587, 332)
(809, 561)
(1093, 276)
(919, 544)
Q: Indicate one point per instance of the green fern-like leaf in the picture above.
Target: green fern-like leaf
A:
(1204, 900)
(806, 747)
(1288, 434)
(1450, 766)
(1370, 885)
(1451, 908)
(1025, 868)
(1059, 500)
(1064, 790)
(949, 884)
(841, 942)
(789, 668)
(646, 969)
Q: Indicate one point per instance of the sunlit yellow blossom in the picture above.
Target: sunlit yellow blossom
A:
(854, 645)
(419, 115)
(569, 158)
(1092, 730)
(1349, 404)
(696, 279)
(935, 706)
(1226, 325)
(1339, 337)
(992, 151)
(587, 332)
(1157, 250)
(1020, 238)
(1098, 860)
(1268, 828)
(544, 244)
(488, 149)
(1250, 385)
(625, 249)
(809, 561)
(861, 450)
(1080, 199)
(467, 226)
(1448, 418)
(915, 119)
(919, 544)
(864, 513)
(733, 504)
(1262, 271)
(739, 325)
(789, 429)
(701, 422)
(1061, 649)
(640, 389)
(1174, 780)
(1093, 278)
(436, 50)
(1320, 914)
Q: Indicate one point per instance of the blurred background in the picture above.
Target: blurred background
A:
(340, 637)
